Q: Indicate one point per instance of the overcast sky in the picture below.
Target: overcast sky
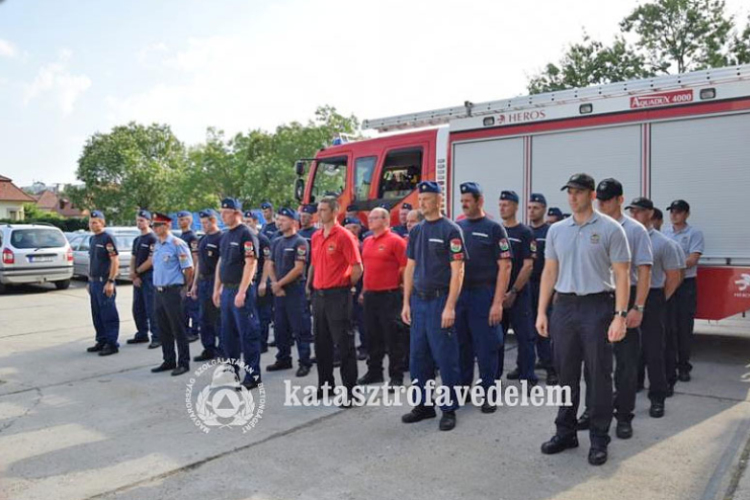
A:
(70, 68)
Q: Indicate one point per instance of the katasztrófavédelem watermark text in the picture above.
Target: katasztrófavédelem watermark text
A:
(432, 395)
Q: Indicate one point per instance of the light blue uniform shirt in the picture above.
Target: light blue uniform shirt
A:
(169, 259)
(691, 241)
(666, 258)
(585, 253)
(640, 246)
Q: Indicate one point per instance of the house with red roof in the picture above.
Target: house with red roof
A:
(12, 200)
(49, 201)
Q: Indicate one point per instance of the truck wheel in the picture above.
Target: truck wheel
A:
(62, 285)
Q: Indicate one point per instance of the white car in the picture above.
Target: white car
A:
(34, 253)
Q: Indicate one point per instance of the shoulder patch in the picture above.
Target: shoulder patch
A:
(249, 249)
(456, 245)
(504, 245)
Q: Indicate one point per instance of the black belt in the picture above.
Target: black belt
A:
(587, 296)
(689, 279)
(376, 292)
(433, 294)
(204, 277)
(332, 291)
(231, 286)
(167, 288)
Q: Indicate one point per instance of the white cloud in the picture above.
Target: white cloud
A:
(7, 49)
(144, 55)
(56, 81)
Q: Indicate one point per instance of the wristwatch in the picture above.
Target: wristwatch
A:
(110, 281)
(640, 309)
(622, 314)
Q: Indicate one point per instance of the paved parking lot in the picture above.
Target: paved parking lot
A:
(77, 426)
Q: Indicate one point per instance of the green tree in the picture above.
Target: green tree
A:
(740, 46)
(132, 166)
(590, 62)
(681, 35)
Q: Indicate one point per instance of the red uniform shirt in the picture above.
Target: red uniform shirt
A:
(383, 256)
(333, 257)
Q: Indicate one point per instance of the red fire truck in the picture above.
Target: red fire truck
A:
(683, 136)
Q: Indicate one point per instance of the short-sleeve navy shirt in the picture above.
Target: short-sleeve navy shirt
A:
(540, 238)
(208, 254)
(307, 233)
(433, 245)
(101, 251)
(522, 242)
(143, 247)
(486, 242)
(236, 245)
(191, 240)
(264, 253)
(400, 230)
(269, 230)
(286, 251)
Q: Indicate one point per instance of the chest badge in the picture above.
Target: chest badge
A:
(381, 248)
(595, 239)
(331, 248)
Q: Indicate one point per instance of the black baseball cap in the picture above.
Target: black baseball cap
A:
(679, 205)
(608, 188)
(580, 181)
(658, 215)
(641, 202)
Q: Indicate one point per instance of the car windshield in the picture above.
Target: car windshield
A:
(37, 238)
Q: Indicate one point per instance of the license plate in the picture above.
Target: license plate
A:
(41, 259)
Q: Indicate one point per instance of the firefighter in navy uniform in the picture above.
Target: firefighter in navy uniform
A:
(104, 264)
(287, 269)
(518, 298)
(354, 226)
(609, 194)
(401, 229)
(686, 297)
(269, 228)
(580, 256)
(191, 308)
(432, 284)
(479, 311)
(173, 271)
(539, 228)
(554, 214)
(141, 274)
(203, 284)
(665, 278)
(307, 228)
(234, 292)
(265, 298)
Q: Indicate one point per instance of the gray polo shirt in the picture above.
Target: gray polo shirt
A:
(691, 241)
(585, 253)
(640, 246)
(666, 258)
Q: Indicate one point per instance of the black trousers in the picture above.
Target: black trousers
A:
(332, 312)
(579, 326)
(653, 341)
(382, 311)
(670, 343)
(686, 303)
(169, 317)
(627, 358)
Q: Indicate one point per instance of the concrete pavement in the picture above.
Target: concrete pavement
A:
(78, 426)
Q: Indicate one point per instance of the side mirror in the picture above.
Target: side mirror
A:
(299, 189)
(299, 168)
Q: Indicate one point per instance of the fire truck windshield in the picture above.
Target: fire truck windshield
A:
(330, 178)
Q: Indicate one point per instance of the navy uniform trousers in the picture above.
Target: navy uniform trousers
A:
(104, 313)
(686, 303)
(191, 315)
(168, 307)
(266, 315)
(240, 330)
(143, 308)
(433, 346)
(520, 319)
(579, 326)
(292, 322)
(209, 315)
(476, 338)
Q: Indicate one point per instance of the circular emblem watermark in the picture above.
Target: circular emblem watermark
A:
(215, 399)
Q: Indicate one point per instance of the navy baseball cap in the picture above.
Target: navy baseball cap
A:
(407, 206)
(310, 209)
(231, 204)
(266, 204)
(608, 189)
(184, 213)
(679, 205)
(641, 202)
(248, 214)
(352, 208)
(288, 212)
(160, 218)
(429, 187)
(97, 214)
(509, 195)
(580, 181)
(538, 198)
(144, 214)
(471, 187)
(352, 220)
(209, 212)
(554, 212)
